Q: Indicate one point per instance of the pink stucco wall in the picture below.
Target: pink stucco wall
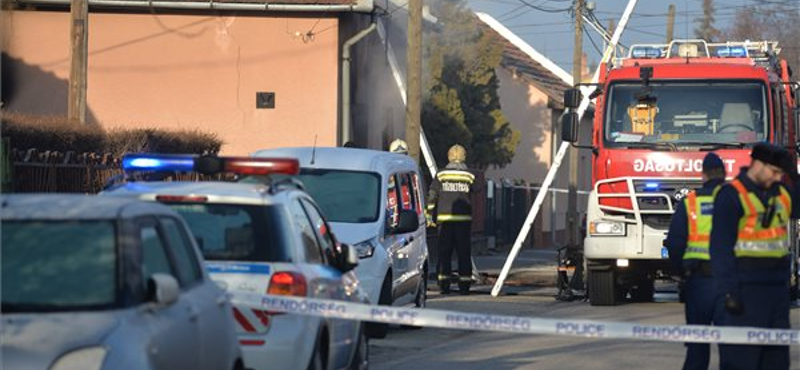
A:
(185, 72)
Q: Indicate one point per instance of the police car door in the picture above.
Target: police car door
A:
(331, 284)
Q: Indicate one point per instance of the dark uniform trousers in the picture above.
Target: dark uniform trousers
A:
(702, 308)
(765, 306)
(455, 235)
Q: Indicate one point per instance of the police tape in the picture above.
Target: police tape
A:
(514, 324)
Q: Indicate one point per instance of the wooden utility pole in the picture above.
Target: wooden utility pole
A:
(79, 39)
(670, 23)
(414, 77)
(577, 74)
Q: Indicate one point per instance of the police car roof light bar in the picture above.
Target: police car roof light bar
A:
(262, 166)
(209, 164)
(158, 162)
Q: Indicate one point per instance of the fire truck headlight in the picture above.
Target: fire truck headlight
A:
(606, 228)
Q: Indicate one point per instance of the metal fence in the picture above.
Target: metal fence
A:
(48, 172)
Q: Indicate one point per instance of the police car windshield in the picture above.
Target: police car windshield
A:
(52, 266)
(344, 196)
(686, 113)
(237, 232)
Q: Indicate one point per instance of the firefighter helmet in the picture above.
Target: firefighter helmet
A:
(457, 153)
(398, 146)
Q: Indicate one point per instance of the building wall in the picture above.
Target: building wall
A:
(526, 108)
(183, 72)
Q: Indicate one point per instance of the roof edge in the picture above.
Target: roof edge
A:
(360, 6)
(526, 48)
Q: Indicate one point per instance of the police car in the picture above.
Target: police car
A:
(267, 238)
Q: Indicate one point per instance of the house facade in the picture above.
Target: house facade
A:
(531, 89)
(258, 74)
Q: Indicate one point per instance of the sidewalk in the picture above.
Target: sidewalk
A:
(532, 267)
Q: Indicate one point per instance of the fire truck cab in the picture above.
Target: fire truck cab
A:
(658, 111)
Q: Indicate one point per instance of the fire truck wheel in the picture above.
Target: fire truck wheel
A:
(603, 289)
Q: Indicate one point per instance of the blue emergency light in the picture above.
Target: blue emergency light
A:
(646, 52)
(158, 162)
(732, 52)
(652, 186)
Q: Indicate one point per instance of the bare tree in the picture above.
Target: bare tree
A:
(764, 21)
(706, 29)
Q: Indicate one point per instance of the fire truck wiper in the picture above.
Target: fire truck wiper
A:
(655, 146)
(714, 146)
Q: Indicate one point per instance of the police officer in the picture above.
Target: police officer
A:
(750, 255)
(687, 242)
(449, 202)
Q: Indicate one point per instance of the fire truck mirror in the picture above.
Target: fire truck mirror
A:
(569, 127)
(572, 98)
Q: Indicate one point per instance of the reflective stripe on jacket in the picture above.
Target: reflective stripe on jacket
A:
(755, 240)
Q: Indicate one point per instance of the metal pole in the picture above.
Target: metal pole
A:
(670, 22)
(414, 78)
(577, 73)
(79, 39)
(562, 150)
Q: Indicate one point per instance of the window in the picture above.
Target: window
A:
(686, 113)
(321, 228)
(344, 196)
(225, 232)
(307, 235)
(154, 255)
(392, 206)
(417, 194)
(185, 258)
(58, 265)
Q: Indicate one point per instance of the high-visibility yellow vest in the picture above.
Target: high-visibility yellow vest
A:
(699, 210)
(754, 240)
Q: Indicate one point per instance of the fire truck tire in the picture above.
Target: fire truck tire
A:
(603, 289)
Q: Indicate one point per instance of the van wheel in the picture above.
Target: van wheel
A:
(421, 299)
(603, 290)
(361, 356)
(379, 330)
(318, 357)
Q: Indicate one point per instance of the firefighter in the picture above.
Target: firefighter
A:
(449, 203)
(398, 146)
(750, 254)
(687, 242)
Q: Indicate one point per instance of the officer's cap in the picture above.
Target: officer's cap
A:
(712, 161)
(776, 156)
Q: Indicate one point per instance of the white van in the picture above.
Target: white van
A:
(374, 201)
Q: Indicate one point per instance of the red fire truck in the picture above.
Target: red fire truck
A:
(657, 113)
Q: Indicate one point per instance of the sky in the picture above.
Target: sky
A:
(550, 30)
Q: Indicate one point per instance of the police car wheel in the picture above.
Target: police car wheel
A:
(420, 301)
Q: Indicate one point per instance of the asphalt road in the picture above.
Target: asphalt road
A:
(440, 349)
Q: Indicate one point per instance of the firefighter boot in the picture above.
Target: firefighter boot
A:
(463, 284)
(444, 284)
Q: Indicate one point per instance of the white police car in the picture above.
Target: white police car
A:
(267, 239)
(374, 201)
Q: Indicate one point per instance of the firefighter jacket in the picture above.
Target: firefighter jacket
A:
(449, 196)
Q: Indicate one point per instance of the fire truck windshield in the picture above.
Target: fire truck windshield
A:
(686, 113)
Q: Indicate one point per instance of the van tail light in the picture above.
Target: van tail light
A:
(287, 283)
